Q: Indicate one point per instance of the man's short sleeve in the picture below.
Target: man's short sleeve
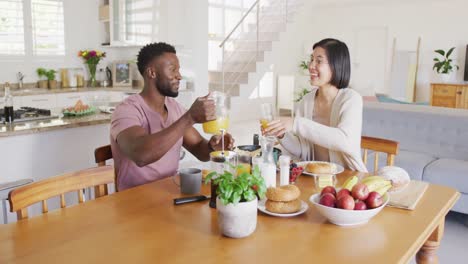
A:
(125, 116)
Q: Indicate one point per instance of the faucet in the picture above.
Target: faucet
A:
(20, 76)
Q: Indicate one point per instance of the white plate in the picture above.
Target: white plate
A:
(261, 207)
(107, 109)
(303, 164)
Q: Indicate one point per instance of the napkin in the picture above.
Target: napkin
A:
(409, 197)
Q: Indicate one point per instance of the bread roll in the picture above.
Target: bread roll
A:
(284, 193)
(398, 176)
(321, 167)
(283, 207)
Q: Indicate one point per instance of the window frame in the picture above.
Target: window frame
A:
(29, 56)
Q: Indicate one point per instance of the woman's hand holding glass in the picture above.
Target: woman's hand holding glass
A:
(274, 128)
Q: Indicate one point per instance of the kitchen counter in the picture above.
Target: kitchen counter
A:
(23, 128)
(38, 91)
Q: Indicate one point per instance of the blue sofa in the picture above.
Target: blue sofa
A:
(433, 142)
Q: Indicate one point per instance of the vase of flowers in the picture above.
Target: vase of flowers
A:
(91, 59)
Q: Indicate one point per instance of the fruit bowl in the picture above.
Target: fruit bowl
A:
(344, 217)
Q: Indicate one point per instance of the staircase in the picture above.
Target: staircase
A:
(248, 42)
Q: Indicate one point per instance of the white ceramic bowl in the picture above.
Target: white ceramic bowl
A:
(344, 217)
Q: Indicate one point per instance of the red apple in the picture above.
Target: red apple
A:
(360, 191)
(327, 199)
(342, 192)
(328, 189)
(360, 205)
(345, 202)
(374, 200)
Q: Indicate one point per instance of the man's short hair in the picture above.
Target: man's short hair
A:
(151, 51)
(339, 61)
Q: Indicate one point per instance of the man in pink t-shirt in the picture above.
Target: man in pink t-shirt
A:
(149, 129)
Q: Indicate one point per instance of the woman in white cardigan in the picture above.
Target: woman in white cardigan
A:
(328, 120)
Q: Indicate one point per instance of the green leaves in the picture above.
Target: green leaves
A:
(444, 66)
(243, 188)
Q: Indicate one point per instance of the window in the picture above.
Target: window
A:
(136, 21)
(11, 27)
(32, 26)
(47, 27)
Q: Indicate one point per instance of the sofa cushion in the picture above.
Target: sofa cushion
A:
(448, 172)
(413, 162)
(436, 131)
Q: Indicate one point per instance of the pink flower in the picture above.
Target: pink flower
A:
(92, 53)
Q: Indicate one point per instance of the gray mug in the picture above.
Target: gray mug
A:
(190, 180)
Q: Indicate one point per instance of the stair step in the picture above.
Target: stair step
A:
(231, 89)
(229, 77)
(239, 66)
(268, 27)
(245, 56)
(251, 45)
(264, 36)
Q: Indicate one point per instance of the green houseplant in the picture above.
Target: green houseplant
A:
(42, 74)
(445, 65)
(50, 74)
(237, 201)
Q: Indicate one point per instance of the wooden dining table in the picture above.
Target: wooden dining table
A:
(142, 225)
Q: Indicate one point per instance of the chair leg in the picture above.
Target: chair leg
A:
(5, 213)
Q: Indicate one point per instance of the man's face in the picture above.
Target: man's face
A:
(167, 74)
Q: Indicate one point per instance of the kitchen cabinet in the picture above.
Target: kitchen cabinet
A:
(69, 99)
(46, 101)
(449, 95)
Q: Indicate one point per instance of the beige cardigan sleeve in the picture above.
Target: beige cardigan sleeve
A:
(345, 137)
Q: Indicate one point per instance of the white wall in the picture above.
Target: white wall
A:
(441, 25)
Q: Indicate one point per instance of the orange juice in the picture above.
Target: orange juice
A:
(243, 167)
(264, 123)
(214, 127)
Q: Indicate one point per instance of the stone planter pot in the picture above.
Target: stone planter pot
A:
(53, 84)
(44, 84)
(239, 220)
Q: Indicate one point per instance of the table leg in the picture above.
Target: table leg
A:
(427, 253)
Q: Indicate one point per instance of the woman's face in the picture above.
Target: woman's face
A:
(319, 69)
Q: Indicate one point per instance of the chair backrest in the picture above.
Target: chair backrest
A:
(22, 197)
(377, 145)
(103, 154)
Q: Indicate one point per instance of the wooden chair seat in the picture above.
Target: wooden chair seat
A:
(381, 145)
(22, 197)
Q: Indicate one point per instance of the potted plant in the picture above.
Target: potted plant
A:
(304, 66)
(42, 74)
(444, 66)
(237, 200)
(50, 74)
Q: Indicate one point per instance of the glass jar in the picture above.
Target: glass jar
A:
(221, 161)
(222, 115)
(268, 167)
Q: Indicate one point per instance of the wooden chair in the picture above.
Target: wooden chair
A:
(389, 147)
(103, 154)
(22, 197)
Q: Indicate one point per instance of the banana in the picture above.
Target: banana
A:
(383, 190)
(371, 178)
(377, 183)
(350, 182)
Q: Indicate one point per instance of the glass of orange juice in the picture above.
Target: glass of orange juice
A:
(222, 117)
(244, 162)
(268, 115)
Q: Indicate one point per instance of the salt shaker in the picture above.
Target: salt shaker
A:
(284, 162)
